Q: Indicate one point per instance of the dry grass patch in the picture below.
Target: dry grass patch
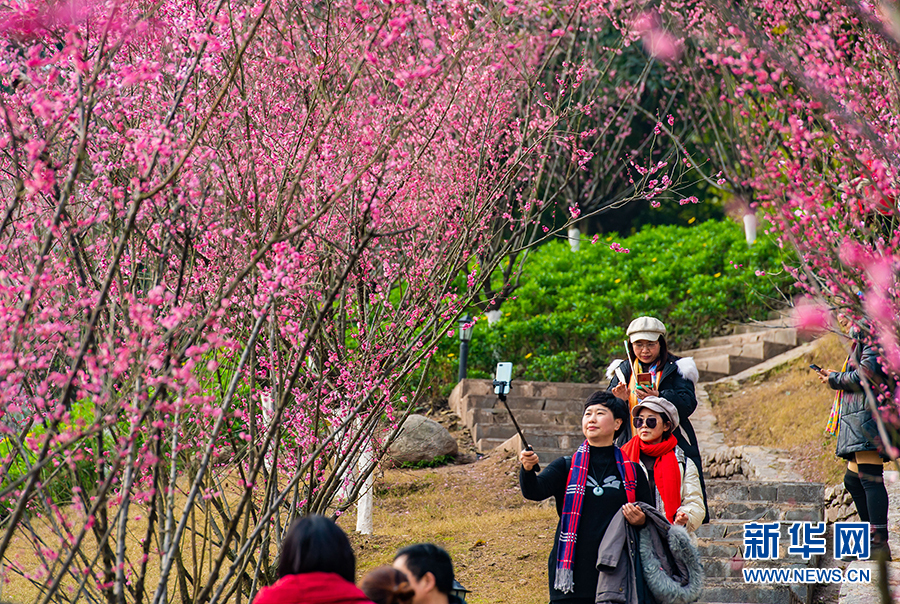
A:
(499, 542)
(786, 408)
(199, 548)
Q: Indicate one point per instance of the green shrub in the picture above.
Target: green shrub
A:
(59, 477)
(440, 460)
(568, 319)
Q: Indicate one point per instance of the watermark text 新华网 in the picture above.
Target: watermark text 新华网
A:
(807, 539)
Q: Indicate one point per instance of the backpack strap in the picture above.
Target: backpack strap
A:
(679, 455)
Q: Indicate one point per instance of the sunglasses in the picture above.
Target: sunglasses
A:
(651, 422)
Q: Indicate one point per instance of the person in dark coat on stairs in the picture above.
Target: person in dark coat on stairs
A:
(591, 488)
(857, 433)
(651, 370)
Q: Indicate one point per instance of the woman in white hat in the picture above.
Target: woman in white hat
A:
(672, 475)
(651, 370)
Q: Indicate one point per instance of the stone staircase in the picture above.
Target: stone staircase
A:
(549, 413)
(749, 345)
(731, 504)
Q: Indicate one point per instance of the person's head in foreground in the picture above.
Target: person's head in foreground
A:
(647, 337)
(316, 566)
(429, 570)
(387, 585)
(317, 544)
(604, 418)
(654, 419)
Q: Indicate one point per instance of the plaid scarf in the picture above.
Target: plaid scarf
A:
(578, 472)
(834, 421)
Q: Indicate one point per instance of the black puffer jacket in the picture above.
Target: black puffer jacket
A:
(858, 429)
(677, 387)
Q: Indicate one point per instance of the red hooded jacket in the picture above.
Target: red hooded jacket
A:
(312, 588)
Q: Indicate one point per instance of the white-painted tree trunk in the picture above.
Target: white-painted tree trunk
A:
(364, 522)
(493, 316)
(268, 413)
(750, 223)
(574, 238)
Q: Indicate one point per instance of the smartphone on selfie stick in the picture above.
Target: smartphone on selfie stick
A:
(502, 385)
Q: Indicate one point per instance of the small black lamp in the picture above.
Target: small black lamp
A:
(465, 336)
(459, 591)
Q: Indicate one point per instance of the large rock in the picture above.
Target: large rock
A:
(422, 439)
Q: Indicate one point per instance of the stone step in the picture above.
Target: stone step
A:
(488, 401)
(733, 550)
(484, 389)
(732, 568)
(540, 443)
(738, 592)
(473, 402)
(764, 511)
(784, 321)
(732, 529)
(530, 417)
(545, 456)
(721, 529)
(513, 446)
(531, 431)
(786, 336)
(714, 368)
(710, 376)
(749, 490)
(760, 350)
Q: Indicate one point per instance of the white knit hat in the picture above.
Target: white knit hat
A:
(646, 328)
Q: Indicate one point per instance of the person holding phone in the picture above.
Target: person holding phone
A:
(651, 370)
(857, 433)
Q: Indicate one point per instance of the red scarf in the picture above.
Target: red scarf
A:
(666, 474)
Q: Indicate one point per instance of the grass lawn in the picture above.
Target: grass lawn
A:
(498, 541)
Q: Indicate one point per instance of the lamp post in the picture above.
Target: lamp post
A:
(459, 591)
(465, 335)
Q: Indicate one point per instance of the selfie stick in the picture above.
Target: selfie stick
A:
(502, 396)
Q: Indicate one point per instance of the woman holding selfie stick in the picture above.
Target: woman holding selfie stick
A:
(651, 370)
(590, 488)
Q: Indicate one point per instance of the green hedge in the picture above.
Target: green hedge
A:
(569, 316)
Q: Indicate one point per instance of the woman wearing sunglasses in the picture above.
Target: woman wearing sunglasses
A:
(672, 475)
